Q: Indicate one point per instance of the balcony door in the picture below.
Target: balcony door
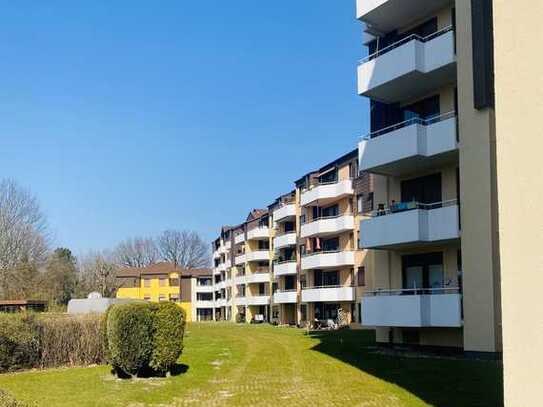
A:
(423, 271)
(425, 189)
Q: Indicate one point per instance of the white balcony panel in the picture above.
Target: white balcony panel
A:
(258, 233)
(437, 310)
(285, 297)
(204, 288)
(220, 303)
(257, 278)
(258, 255)
(328, 226)
(216, 254)
(288, 239)
(327, 192)
(328, 260)
(228, 245)
(222, 267)
(386, 15)
(239, 238)
(410, 227)
(240, 301)
(410, 70)
(258, 300)
(285, 212)
(284, 269)
(220, 285)
(410, 149)
(240, 259)
(330, 294)
(205, 304)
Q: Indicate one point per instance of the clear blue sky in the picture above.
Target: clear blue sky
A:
(129, 117)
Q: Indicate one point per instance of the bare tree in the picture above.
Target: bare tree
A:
(23, 229)
(137, 252)
(183, 248)
(97, 272)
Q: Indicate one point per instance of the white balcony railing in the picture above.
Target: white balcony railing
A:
(284, 268)
(410, 67)
(285, 297)
(204, 288)
(285, 240)
(438, 307)
(240, 300)
(328, 225)
(222, 266)
(239, 238)
(398, 149)
(325, 259)
(328, 294)
(257, 278)
(205, 304)
(410, 223)
(262, 232)
(326, 192)
(258, 300)
(240, 259)
(286, 211)
(258, 255)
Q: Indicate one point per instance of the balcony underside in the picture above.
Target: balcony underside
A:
(415, 164)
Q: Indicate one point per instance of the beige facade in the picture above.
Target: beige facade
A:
(519, 108)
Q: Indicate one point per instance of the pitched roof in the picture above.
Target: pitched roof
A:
(256, 213)
(161, 269)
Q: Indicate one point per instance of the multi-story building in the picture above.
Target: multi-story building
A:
(433, 231)
(303, 249)
(191, 289)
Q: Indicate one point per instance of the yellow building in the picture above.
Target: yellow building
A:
(191, 289)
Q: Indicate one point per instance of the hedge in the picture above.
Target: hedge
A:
(130, 337)
(42, 340)
(144, 338)
(169, 328)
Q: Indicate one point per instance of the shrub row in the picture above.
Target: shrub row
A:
(144, 338)
(29, 340)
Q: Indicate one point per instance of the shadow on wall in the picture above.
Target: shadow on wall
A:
(440, 382)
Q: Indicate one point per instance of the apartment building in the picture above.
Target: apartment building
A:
(298, 261)
(433, 231)
(242, 270)
(191, 289)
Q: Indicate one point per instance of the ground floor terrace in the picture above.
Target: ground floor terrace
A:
(225, 364)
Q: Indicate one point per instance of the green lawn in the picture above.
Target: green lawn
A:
(239, 365)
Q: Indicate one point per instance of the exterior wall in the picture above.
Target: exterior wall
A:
(478, 197)
(519, 109)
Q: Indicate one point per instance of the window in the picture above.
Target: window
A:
(329, 177)
(326, 278)
(425, 189)
(263, 245)
(289, 227)
(147, 282)
(204, 296)
(290, 282)
(261, 289)
(147, 297)
(422, 271)
(370, 201)
(330, 211)
(361, 276)
(330, 245)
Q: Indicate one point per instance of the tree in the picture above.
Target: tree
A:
(97, 272)
(183, 248)
(23, 230)
(59, 278)
(136, 252)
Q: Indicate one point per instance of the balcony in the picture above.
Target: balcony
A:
(241, 301)
(412, 67)
(204, 304)
(216, 254)
(406, 308)
(328, 294)
(221, 302)
(321, 194)
(285, 212)
(285, 240)
(258, 255)
(410, 224)
(239, 238)
(222, 267)
(228, 245)
(258, 233)
(257, 278)
(240, 259)
(204, 288)
(323, 260)
(328, 225)
(285, 297)
(382, 16)
(258, 300)
(411, 146)
(284, 268)
(220, 285)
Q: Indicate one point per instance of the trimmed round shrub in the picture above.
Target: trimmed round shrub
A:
(130, 337)
(169, 328)
(19, 341)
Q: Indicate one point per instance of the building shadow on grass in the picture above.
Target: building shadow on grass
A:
(439, 381)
